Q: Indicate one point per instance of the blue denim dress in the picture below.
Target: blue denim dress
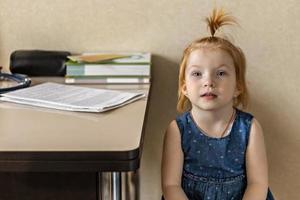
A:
(214, 168)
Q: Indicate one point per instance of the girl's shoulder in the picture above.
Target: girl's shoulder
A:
(244, 115)
(182, 120)
(244, 119)
(183, 117)
(243, 125)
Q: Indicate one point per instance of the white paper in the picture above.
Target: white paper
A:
(72, 98)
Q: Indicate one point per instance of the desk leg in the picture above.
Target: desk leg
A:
(109, 186)
(116, 187)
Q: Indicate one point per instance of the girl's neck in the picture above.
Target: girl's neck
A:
(212, 115)
(212, 120)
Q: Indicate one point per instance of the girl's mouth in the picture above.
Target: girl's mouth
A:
(209, 95)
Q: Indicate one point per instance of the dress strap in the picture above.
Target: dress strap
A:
(243, 127)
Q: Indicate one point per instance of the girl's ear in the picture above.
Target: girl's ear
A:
(183, 90)
(237, 92)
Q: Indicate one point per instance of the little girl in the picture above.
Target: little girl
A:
(214, 151)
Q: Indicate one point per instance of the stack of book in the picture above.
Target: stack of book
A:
(108, 68)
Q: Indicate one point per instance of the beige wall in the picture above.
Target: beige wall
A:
(269, 36)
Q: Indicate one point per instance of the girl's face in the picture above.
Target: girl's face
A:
(210, 79)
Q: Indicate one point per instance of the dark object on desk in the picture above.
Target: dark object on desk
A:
(39, 62)
(11, 82)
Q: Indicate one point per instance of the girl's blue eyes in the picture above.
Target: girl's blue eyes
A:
(219, 74)
(196, 74)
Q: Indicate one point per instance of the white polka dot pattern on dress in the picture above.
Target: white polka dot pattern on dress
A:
(214, 159)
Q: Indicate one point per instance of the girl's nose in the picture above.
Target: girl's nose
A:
(208, 82)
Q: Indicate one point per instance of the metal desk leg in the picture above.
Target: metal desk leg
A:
(109, 186)
(116, 187)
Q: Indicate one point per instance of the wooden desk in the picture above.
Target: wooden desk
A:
(36, 139)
